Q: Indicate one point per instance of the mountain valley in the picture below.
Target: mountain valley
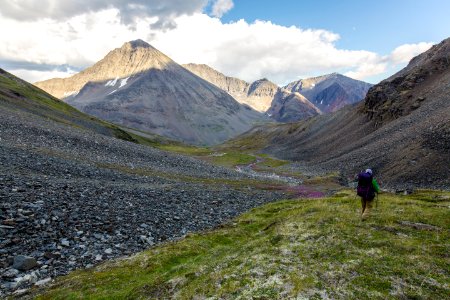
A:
(401, 129)
(151, 179)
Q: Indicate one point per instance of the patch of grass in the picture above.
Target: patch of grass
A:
(430, 196)
(331, 177)
(185, 149)
(231, 159)
(303, 248)
(123, 135)
(270, 162)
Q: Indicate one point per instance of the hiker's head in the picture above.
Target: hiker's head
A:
(369, 171)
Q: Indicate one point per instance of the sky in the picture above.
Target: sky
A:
(282, 40)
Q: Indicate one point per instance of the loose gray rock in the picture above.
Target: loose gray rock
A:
(24, 263)
(10, 273)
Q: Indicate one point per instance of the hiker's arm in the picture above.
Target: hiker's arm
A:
(375, 185)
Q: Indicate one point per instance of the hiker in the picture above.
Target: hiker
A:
(367, 187)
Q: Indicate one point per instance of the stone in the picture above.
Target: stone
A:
(9, 222)
(10, 273)
(108, 251)
(65, 242)
(6, 227)
(43, 281)
(24, 263)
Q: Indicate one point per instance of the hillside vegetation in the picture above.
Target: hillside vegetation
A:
(304, 248)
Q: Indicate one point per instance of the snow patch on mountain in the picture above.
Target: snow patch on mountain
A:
(123, 82)
(112, 82)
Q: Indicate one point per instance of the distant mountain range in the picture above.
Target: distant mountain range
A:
(262, 95)
(296, 101)
(139, 87)
(401, 129)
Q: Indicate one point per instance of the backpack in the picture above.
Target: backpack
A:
(365, 188)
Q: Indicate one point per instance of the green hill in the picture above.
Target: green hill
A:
(303, 249)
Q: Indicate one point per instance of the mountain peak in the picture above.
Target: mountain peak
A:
(137, 44)
(134, 57)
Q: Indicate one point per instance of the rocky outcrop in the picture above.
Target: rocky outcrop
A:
(407, 90)
(258, 95)
(237, 88)
(330, 92)
(139, 87)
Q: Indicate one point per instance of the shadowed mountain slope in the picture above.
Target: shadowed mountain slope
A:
(401, 129)
(139, 87)
(330, 92)
(290, 107)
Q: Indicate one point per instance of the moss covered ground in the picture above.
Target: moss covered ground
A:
(301, 249)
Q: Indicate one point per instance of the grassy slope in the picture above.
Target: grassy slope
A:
(304, 248)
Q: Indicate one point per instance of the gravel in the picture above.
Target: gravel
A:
(71, 199)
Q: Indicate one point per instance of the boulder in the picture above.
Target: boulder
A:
(24, 263)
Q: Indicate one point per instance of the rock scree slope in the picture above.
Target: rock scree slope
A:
(139, 87)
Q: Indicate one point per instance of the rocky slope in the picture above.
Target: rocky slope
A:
(262, 95)
(401, 129)
(258, 95)
(330, 92)
(237, 88)
(72, 195)
(291, 107)
(140, 87)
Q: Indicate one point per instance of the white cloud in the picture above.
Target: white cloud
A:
(78, 41)
(263, 49)
(245, 50)
(34, 75)
(130, 11)
(404, 53)
(221, 7)
(380, 64)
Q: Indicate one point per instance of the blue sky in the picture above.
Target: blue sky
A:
(279, 40)
(377, 26)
